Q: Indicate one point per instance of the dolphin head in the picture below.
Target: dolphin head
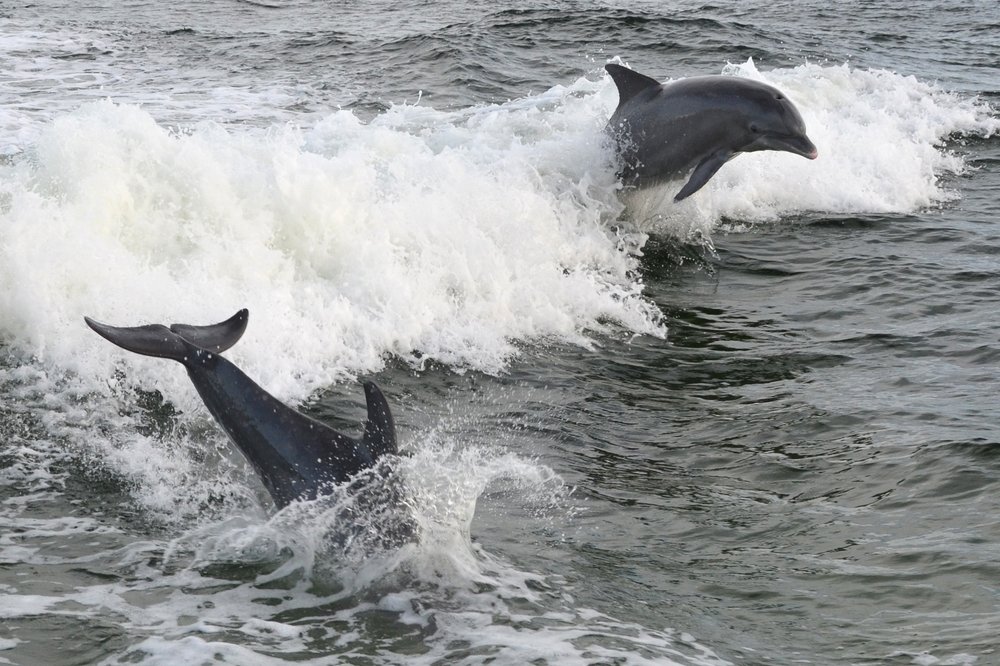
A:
(776, 124)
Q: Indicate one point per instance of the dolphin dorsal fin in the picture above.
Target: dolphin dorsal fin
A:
(380, 430)
(630, 83)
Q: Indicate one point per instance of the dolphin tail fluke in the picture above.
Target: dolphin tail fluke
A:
(173, 342)
(380, 429)
(215, 337)
(151, 340)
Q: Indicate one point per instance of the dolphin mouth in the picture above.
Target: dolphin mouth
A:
(802, 146)
(798, 144)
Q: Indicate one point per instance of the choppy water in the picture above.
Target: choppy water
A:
(755, 428)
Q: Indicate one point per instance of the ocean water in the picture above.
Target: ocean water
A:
(756, 427)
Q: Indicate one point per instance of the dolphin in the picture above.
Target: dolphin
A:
(295, 456)
(663, 131)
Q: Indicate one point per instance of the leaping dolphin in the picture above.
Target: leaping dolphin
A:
(663, 131)
(295, 456)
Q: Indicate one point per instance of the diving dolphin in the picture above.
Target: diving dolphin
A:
(663, 131)
(295, 456)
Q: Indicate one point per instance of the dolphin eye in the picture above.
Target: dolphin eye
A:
(754, 128)
(778, 97)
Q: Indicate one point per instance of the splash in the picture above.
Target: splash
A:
(425, 235)
(248, 587)
(422, 235)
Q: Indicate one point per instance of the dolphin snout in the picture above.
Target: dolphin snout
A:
(797, 144)
(801, 146)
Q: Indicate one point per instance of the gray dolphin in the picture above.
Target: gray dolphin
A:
(295, 456)
(663, 131)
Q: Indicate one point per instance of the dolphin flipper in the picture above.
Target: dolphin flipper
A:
(703, 173)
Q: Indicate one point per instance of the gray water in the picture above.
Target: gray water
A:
(755, 428)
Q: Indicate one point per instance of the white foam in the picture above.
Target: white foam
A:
(445, 588)
(347, 241)
(443, 483)
(268, 629)
(24, 605)
(454, 236)
(157, 650)
(225, 590)
(422, 234)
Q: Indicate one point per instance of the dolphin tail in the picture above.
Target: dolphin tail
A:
(173, 342)
(380, 429)
(215, 337)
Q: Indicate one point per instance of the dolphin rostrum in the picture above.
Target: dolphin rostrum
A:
(295, 456)
(664, 131)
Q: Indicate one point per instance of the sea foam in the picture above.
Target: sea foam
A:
(422, 234)
(452, 236)
(348, 241)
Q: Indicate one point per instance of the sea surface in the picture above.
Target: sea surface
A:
(757, 427)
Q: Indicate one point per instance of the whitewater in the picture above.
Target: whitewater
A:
(559, 393)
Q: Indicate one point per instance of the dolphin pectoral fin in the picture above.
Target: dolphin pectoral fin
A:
(380, 429)
(215, 337)
(703, 173)
(629, 82)
(151, 340)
